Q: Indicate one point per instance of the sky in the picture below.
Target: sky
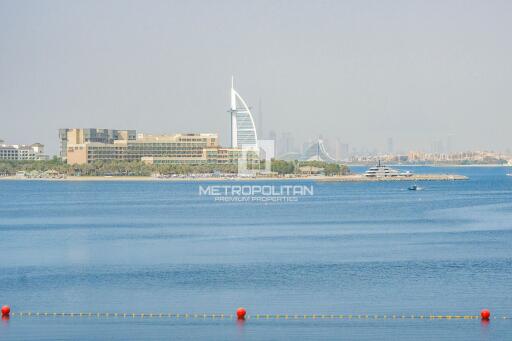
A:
(357, 71)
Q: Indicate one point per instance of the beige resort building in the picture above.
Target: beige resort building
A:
(191, 149)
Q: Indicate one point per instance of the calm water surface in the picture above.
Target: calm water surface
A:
(352, 248)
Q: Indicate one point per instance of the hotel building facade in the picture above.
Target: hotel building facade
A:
(126, 145)
(243, 129)
(85, 135)
(21, 152)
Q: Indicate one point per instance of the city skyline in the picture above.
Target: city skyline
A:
(357, 72)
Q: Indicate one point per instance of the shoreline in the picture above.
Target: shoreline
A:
(414, 177)
(321, 178)
(432, 165)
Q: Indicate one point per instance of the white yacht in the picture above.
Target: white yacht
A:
(381, 171)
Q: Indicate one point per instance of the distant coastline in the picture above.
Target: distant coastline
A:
(321, 178)
(432, 165)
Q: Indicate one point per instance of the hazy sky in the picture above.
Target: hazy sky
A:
(361, 71)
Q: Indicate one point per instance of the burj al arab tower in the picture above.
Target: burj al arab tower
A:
(243, 130)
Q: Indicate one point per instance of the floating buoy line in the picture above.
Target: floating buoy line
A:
(241, 314)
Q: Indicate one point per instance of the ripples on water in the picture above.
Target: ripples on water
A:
(355, 248)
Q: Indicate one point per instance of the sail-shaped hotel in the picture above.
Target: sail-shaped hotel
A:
(243, 130)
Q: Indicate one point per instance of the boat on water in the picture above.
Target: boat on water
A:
(382, 171)
(414, 188)
(509, 174)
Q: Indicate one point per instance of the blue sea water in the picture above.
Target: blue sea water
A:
(351, 248)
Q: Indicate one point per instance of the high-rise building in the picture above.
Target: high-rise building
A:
(286, 143)
(391, 147)
(260, 132)
(243, 130)
(437, 147)
(342, 151)
(450, 148)
(272, 135)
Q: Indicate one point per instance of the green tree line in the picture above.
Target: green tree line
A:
(138, 168)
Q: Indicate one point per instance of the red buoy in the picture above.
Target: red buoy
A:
(486, 314)
(6, 310)
(240, 313)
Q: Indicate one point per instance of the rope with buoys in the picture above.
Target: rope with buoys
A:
(241, 314)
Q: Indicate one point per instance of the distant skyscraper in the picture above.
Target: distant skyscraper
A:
(286, 143)
(354, 151)
(437, 147)
(342, 151)
(390, 145)
(260, 132)
(243, 130)
(449, 144)
(273, 136)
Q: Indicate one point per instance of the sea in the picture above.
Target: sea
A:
(375, 251)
